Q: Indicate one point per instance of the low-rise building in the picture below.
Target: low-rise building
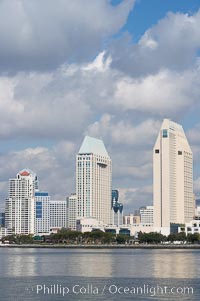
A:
(88, 224)
(131, 219)
(191, 227)
(146, 215)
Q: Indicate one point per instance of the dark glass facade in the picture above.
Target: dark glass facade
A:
(38, 209)
(115, 202)
(2, 219)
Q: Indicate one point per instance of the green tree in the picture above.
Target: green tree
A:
(122, 239)
(152, 237)
(193, 238)
(176, 237)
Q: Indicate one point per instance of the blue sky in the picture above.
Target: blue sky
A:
(147, 13)
(113, 70)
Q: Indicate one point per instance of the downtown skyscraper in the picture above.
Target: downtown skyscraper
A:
(172, 176)
(93, 181)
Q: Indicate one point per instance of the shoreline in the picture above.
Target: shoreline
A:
(61, 246)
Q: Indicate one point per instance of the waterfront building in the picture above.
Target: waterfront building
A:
(172, 176)
(42, 213)
(19, 207)
(93, 181)
(191, 227)
(92, 224)
(117, 209)
(146, 214)
(58, 214)
(88, 224)
(71, 211)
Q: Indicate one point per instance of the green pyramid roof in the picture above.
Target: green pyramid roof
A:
(92, 145)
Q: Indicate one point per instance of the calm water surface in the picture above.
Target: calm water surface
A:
(21, 270)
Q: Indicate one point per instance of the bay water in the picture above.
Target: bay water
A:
(99, 274)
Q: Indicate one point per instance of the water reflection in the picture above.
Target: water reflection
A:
(95, 264)
(176, 263)
(51, 262)
(138, 263)
(16, 262)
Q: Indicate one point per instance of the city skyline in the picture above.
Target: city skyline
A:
(62, 77)
(94, 178)
(95, 204)
(89, 145)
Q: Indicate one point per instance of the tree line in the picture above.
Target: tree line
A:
(155, 238)
(66, 236)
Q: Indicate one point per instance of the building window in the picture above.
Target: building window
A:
(179, 152)
(157, 151)
(38, 209)
(164, 133)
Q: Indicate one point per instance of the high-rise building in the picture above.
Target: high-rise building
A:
(172, 176)
(19, 207)
(58, 214)
(71, 211)
(42, 213)
(94, 180)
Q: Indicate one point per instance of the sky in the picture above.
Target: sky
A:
(112, 70)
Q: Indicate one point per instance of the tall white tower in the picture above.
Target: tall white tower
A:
(19, 209)
(172, 176)
(93, 180)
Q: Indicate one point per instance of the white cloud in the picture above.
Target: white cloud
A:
(45, 34)
(63, 103)
(124, 131)
(164, 93)
(99, 64)
(173, 43)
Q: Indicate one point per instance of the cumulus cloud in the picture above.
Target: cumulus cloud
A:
(43, 35)
(62, 104)
(166, 92)
(124, 131)
(172, 43)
